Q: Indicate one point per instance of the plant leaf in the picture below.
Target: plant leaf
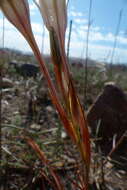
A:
(45, 161)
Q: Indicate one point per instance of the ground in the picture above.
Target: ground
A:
(27, 111)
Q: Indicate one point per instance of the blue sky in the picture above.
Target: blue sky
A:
(104, 21)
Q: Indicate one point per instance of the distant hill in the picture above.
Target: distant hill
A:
(12, 54)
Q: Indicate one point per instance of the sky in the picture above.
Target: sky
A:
(105, 16)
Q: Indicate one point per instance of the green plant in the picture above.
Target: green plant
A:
(16, 120)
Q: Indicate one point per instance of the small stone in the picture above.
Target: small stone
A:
(49, 109)
(6, 83)
(63, 135)
(35, 127)
(4, 105)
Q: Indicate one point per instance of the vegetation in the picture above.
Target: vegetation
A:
(42, 124)
(34, 144)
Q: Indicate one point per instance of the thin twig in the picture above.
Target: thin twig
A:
(87, 51)
(43, 39)
(69, 39)
(0, 114)
(67, 3)
(115, 40)
(102, 172)
(1, 68)
(1, 95)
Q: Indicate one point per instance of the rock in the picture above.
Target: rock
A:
(6, 91)
(6, 131)
(4, 104)
(49, 109)
(108, 115)
(9, 96)
(35, 127)
(63, 135)
(25, 70)
(6, 83)
(68, 159)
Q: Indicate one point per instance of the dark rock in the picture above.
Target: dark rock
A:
(110, 109)
(25, 70)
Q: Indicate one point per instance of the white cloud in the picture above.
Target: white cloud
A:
(109, 37)
(7, 24)
(96, 36)
(122, 40)
(74, 13)
(82, 27)
(32, 6)
(80, 20)
(101, 52)
(95, 28)
(97, 52)
(14, 39)
(37, 27)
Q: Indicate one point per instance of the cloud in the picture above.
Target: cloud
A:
(100, 43)
(37, 27)
(74, 13)
(101, 52)
(97, 35)
(7, 24)
(14, 39)
(80, 21)
(95, 28)
(97, 52)
(32, 6)
(122, 40)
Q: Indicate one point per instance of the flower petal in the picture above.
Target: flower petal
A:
(17, 12)
(54, 15)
